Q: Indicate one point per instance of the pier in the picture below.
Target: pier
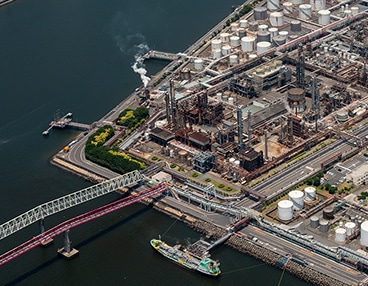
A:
(66, 121)
(157, 55)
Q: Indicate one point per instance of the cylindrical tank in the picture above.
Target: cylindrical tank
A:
(248, 44)
(348, 13)
(323, 225)
(296, 2)
(296, 99)
(288, 8)
(295, 26)
(310, 193)
(232, 160)
(284, 33)
(260, 13)
(243, 23)
(224, 37)
(241, 33)
(233, 59)
(262, 28)
(285, 210)
(217, 53)
(237, 162)
(305, 11)
(314, 221)
(215, 44)
(263, 37)
(350, 228)
(277, 19)
(297, 198)
(226, 50)
(324, 17)
(252, 56)
(342, 115)
(231, 100)
(253, 26)
(273, 32)
(354, 10)
(318, 4)
(273, 4)
(263, 47)
(219, 96)
(171, 153)
(198, 64)
(234, 26)
(183, 155)
(234, 41)
(364, 233)
(278, 40)
(189, 161)
(328, 213)
(340, 235)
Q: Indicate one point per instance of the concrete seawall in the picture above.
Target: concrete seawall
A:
(240, 243)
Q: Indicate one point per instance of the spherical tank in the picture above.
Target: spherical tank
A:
(314, 221)
(279, 40)
(295, 26)
(297, 198)
(285, 210)
(217, 53)
(324, 17)
(234, 41)
(364, 233)
(260, 13)
(215, 44)
(350, 228)
(323, 225)
(198, 64)
(226, 50)
(305, 11)
(243, 23)
(277, 19)
(248, 44)
(310, 193)
(288, 8)
(354, 10)
(340, 235)
(273, 4)
(318, 4)
(233, 59)
(263, 37)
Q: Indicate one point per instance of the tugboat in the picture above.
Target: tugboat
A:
(185, 259)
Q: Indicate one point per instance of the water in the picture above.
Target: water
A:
(76, 56)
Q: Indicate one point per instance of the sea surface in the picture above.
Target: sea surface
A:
(77, 56)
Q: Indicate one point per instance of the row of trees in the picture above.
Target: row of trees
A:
(110, 158)
(131, 118)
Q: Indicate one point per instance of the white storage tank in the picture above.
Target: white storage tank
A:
(248, 44)
(231, 100)
(273, 4)
(310, 193)
(232, 160)
(233, 59)
(243, 23)
(237, 162)
(260, 13)
(234, 41)
(224, 37)
(226, 50)
(273, 32)
(314, 221)
(198, 64)
(305, 11)
(318, 4)
(340, 235)
(324, 17)
(364, 233)
(288, 8)
(323, 225)
(284, 33)
(234, 26)
(262, 28)
(252, 56)
(263, 47)
(347, 13)
(279, 40)
(354, 10)
(297, 198)
(215, 44)
(217, 53)
(285, 210)
(296, 2)
(277, 19)
(342, 115)
(350, 228)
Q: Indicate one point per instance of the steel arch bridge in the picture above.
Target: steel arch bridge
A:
(40, 212)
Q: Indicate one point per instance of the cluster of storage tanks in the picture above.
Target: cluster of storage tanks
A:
(285, 208)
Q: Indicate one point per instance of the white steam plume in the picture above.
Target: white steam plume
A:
(138, 65)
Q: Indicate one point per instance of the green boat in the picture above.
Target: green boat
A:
(185, 259)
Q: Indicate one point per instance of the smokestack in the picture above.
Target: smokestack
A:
(249, 131)
(239, 114)
(266, 145)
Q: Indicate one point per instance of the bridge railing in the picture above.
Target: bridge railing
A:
(68, 201)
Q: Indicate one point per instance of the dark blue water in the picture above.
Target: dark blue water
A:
(76, 56)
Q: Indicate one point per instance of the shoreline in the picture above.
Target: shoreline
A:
(238, 242)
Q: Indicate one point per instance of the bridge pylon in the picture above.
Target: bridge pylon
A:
(47, 241)
(67, 251)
